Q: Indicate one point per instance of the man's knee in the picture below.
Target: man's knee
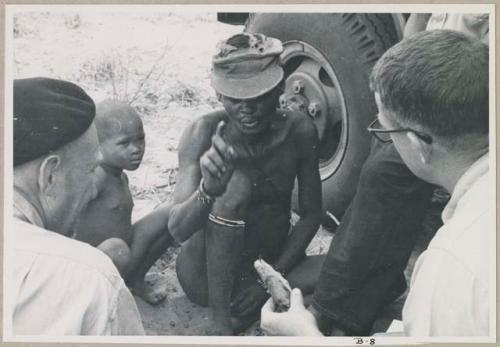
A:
(233, 203)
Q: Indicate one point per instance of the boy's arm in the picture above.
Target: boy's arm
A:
(309, 199)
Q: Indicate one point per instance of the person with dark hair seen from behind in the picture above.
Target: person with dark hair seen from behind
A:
(432, 94)
(237, 169)
(59, 286)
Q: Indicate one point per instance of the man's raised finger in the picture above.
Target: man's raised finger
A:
(220, 128)
(212, 169)
(222, 147)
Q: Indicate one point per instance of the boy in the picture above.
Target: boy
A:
(106, 222)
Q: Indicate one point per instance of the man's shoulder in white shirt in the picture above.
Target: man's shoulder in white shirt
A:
(61, 286)
(449, 290)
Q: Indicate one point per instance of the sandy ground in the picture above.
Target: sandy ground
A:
(159, 62)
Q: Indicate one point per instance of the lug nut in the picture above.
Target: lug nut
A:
(283, 101)
(298, 87)
(314, 109)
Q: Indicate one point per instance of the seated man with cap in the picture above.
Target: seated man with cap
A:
(237, 169)
(59, 286)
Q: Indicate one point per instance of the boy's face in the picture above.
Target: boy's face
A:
(251, 116)
(124, 144)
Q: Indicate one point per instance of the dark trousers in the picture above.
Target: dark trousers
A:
(363, 270)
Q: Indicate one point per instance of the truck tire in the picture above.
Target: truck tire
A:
(328, 59)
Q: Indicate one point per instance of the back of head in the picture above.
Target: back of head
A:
(436, 82)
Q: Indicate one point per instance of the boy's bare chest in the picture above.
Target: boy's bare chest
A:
(117, 198)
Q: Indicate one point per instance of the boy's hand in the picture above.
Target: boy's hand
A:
(297, 321)
(216, 164)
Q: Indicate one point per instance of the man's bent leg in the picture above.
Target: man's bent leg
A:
(372, 245)
(224, 243)
(191, 268)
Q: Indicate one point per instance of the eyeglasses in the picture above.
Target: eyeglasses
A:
(384, 135)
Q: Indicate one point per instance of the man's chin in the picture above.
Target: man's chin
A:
(252, 130)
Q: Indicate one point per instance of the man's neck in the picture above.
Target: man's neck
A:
(27, 206)
(454, 168)
(112, 170)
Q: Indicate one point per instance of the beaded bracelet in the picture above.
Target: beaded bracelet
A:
(203, 197)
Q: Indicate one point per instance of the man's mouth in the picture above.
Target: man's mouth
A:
(249, 122)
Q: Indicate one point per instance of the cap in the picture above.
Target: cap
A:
(48, 114)
(247, 66)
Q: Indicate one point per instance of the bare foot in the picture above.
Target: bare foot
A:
(151, 293)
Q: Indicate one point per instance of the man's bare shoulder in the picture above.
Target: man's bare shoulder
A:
(207, 123)
(300, 123)
(197, 136)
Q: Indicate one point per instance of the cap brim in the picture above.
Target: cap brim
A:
(248, 88)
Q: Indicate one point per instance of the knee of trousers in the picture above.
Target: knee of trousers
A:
(234, 201)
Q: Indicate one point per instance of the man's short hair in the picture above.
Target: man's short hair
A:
(436, 81)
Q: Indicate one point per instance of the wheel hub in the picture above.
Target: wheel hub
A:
(312, 88)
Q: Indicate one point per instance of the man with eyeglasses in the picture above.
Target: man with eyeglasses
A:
(431, 90)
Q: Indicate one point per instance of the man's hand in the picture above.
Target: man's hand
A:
(248, 301)
(297, 321)
(216, 164)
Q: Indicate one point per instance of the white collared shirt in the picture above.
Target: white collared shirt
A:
(60, 286)
(450, 283)
(475, 24)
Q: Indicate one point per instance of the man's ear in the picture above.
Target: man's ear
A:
(47, 173)
(422, 148)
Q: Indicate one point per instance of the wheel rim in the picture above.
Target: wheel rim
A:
(312, 87)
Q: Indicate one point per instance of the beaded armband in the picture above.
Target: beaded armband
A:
(226, 222)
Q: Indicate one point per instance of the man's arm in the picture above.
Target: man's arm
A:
(188, 214)
(205, 168)
(309, 198)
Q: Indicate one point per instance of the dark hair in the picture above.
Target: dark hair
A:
(438, 81)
